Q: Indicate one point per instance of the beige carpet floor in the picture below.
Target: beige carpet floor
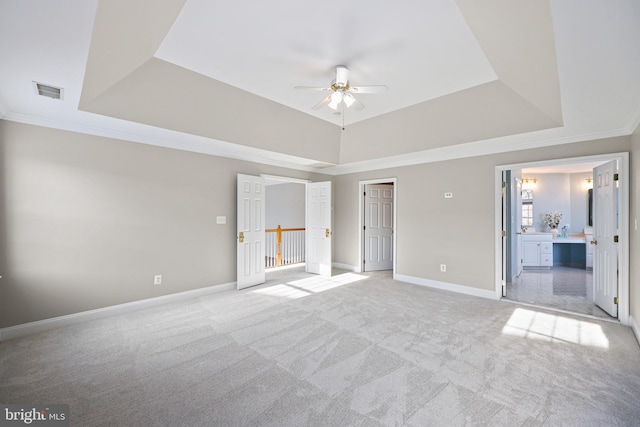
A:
(351, 350)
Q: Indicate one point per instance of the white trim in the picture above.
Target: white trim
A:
(460, 289)
(624, 184)
(99, 313)
(347, 267)
(635, 328)
(151, 135)
(472, 149)
(165, 138)
(285, 179)
(361, 185)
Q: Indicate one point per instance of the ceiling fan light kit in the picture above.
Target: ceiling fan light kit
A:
(342, 92)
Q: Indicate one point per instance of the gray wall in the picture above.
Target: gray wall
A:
(458, 232)
(285, 205)
(85, 222)
(88, 221)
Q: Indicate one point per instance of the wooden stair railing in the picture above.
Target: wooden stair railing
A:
(299, 256)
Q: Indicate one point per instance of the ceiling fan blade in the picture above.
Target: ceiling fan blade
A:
(368, 89)
(322, 103)
(312, 88)
(352, 101)
(342, 75)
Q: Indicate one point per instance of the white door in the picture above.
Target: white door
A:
(518, 225)
(251, 234)
(605, 250)
(318, 212)
(378, 227)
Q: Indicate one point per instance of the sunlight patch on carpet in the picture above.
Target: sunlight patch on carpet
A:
(309, 286)
(531, 324)
(284, 291)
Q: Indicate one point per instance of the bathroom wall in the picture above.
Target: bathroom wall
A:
(552, 193)
(565, 193)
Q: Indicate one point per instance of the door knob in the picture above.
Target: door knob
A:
(241, 237)
(327, 233)
(594, 242)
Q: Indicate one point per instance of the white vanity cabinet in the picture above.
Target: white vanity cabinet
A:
(537, 250)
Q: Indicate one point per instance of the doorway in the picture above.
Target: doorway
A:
(285, 222)
(567, 283)
(251, 232)
(377, 209)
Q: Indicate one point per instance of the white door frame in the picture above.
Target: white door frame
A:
(623, 212)
(292, 181)
(394, 181)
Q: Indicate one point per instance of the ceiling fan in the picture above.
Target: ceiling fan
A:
(342, 93)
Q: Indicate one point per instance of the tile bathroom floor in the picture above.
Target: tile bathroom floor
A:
(563, 288)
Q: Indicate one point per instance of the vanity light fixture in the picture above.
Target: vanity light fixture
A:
(588, 183)
(529, 183)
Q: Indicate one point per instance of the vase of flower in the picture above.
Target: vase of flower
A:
(552, 220)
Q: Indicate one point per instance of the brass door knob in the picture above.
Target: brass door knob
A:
(241, 237)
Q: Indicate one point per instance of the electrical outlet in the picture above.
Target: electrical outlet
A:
(157, 279)
(448, 195)
(221, 220)
(443, 268)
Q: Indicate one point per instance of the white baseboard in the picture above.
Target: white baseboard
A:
(635, 328)
(461, 289)
(70, 319)
(346, 267)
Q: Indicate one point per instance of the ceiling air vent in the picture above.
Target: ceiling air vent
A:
(48, 91)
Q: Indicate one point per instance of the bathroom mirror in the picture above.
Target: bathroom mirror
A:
(590, 206)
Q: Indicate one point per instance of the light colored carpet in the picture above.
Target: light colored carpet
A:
(353, 350)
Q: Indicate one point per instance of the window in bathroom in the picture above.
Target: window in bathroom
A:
(527, 208)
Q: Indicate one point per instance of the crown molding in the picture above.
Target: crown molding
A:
(150, 135)
(634, 123)
(186, 142)
(472, 149)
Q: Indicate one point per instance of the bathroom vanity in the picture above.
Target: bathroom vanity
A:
(537, 250)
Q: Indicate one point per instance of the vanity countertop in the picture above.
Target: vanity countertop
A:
(573, 238)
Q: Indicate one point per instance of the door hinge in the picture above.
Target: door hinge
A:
(364, 261)
(504, 184)
(364, 227)
(615, 176)
(504, 233)
(364, 194)
(615, 300)
(615, 239)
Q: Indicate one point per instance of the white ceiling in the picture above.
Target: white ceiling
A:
(272, 50)
(423, 51)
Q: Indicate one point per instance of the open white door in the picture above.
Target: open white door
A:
(318, 228)
(605, 251)
(250, 235)
(518, 225)
(378, 227)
